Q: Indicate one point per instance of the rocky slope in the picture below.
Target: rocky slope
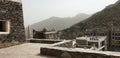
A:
(100, 20)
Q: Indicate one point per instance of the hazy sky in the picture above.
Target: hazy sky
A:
(38, 10)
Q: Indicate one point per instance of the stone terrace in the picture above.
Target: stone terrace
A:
(26, 50)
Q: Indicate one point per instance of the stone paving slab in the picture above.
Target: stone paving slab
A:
(26, 50)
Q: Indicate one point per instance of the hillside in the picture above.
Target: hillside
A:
(100, 20)
(59, 23)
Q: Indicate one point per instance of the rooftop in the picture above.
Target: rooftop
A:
(92, 38)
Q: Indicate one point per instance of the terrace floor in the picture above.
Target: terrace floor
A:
(26, 50)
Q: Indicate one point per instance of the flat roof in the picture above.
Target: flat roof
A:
(94, 38)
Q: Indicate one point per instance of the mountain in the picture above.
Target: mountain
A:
(101, 20)
(58, 23)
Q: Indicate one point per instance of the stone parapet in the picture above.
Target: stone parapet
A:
(64, 49)
(77, 53)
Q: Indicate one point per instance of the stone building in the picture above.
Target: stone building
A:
(38, 34)
(114, 40)
(51, 35)
(45, 34)
(11, 21)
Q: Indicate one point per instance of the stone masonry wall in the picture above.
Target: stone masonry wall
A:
(63, 53)
(13, 13)
(65, 49)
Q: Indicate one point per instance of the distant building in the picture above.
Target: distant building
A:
(51, 35)
(39, 34)
(113, 37)
(45, 34)
(114, 41)
(89, 41)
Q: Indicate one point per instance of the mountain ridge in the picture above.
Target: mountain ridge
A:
(59, 23)
(99, 20)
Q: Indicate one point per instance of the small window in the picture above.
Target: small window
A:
(4, 27)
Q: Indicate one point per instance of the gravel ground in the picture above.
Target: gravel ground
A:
(26, 50)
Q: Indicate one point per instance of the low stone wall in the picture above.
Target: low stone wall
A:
(75, 53)
(48, 41)
(64, 49)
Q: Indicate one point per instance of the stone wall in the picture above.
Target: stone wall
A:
(65, 49)
(13, 13)
(47, 41)
(72, 53)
